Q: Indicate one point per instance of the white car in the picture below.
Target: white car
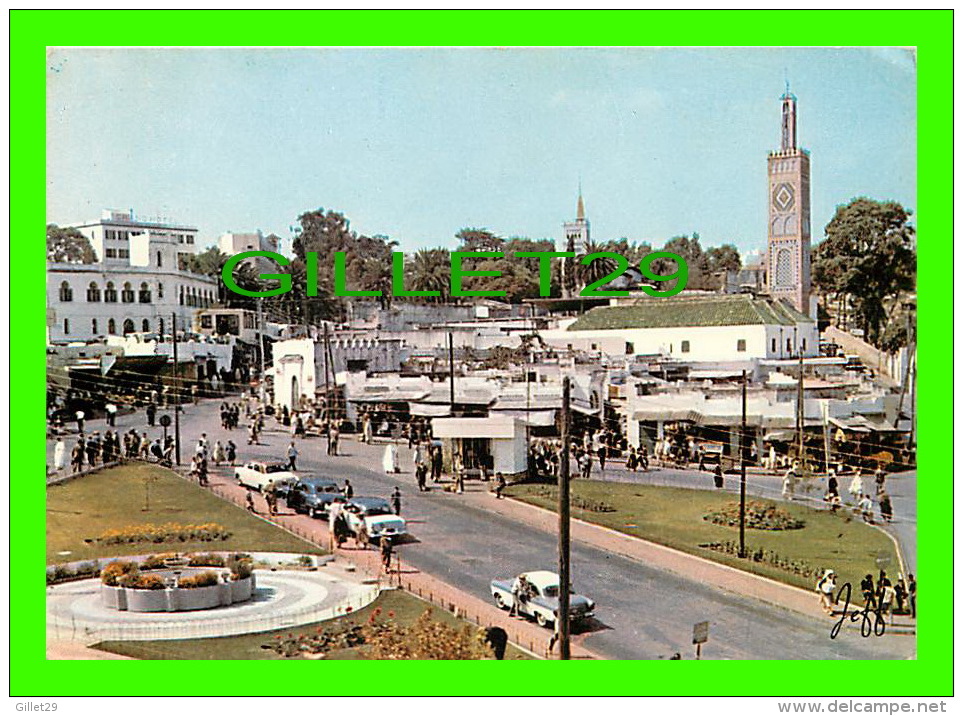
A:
(376, 515)
(538, 597)
(256, 475)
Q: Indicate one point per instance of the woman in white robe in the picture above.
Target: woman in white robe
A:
(390, 459)
(60, 455)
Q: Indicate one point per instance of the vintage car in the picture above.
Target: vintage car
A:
(256, 475)
(313, 495)
(539, 598)
(376, 515)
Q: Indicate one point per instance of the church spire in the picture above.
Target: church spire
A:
(580, 212)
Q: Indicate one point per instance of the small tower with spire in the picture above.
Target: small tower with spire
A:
(577, 232)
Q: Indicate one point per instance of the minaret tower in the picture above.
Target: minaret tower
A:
(788, 255)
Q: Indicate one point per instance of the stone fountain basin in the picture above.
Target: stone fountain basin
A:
(176, 599)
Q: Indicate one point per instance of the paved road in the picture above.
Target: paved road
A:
(645, 613)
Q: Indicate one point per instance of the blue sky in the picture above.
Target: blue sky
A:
(418, 143)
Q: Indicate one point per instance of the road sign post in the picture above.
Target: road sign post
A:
(700, 635)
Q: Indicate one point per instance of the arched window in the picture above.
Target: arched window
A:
(110, 293)
(128, 326)
(93, 326)
(160, 291)
(144, 294)
(111, 326)
(159, 262)
(66, 294)
(127, 294)
(182, 295)
(145, 326)
(67, 326)
(93, 293)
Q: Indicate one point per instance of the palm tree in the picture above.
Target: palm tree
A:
(430, 270)
(597, 269)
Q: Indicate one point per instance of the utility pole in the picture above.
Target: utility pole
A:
(564, 578)
(801, 445)
(327, 387)
(260, 349)
(451, 371)
(334, 382)
(742, 473)
(177, 390)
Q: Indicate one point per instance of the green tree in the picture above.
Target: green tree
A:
(479, 240)
(429, 270)
(723, 258)
(868, 255)
(68, 246)
(597, 269)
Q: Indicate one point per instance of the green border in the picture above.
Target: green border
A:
(930, 31)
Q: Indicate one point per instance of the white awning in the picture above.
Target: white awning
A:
(429, 410)
(534, 418)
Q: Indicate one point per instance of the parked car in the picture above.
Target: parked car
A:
(376, 515)
(256, 475)
(539, 598)
(313, 495)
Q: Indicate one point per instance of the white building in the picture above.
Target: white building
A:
(710, 328)
(111, 236)
(497, 442)
(136, 285)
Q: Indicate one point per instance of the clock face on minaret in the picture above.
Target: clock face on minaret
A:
(787, 269)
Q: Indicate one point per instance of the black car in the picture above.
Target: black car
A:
(313, 495)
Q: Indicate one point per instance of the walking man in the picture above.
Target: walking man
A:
(111, 414)
(79, 415)
(499, 485)
(396, 501)
(60, 455)
(386, 554)
(348, 490)
(151, 414)
(292, 457)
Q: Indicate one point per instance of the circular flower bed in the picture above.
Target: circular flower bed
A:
(170, 583)
(759, 516)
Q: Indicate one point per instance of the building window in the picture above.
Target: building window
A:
(111, 253)
(160, 291)
(207, 321)
(685, 347)
(110, 293)
(160, 327)
(127, 294)
(180, 238)
(128, 326)
(159, 262)
(190, 238)
(789, 345)
(66, 326)
(93, 326)
(111, 326)
(629, 348)
(182, 295)
(144, 294)
(93, 293)
(804, 345)
(66, 293)
(145, 326)
(773, 345)
(249, 320)
(741, 345)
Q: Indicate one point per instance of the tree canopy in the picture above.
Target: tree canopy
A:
(868, 256)
(68, 246)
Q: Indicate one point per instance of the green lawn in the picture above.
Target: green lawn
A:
(83, 509)
(405, 606)
(673, 517)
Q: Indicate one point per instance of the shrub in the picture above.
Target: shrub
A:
(241, 566)
(204, 579)
(111, 574)
(206, 560)
(171, 532)
(759, 516)
(156, 561)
